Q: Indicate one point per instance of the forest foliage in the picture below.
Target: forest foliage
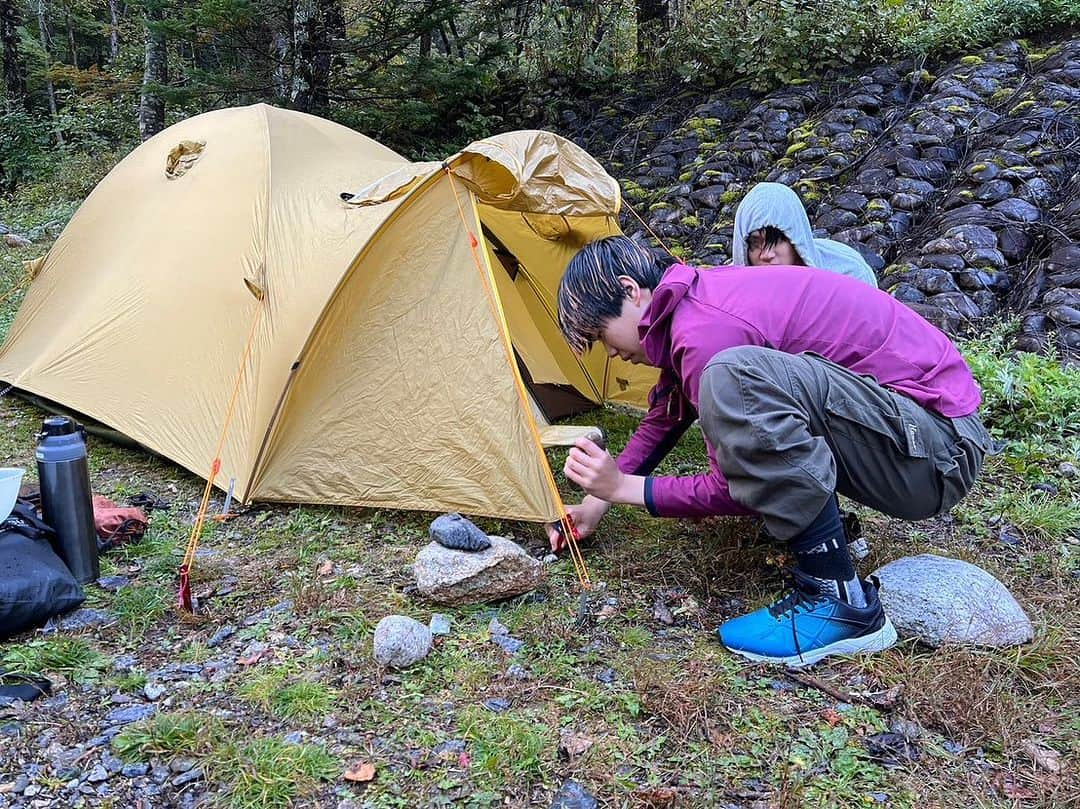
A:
(426, 76)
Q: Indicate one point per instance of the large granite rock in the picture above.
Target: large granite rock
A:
(401, 641)
(456, 577)
(940, 601)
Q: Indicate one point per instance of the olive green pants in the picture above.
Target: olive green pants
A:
(789, 430)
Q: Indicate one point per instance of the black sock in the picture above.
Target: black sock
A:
(821, 551)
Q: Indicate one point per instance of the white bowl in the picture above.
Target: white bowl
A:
(10, 481)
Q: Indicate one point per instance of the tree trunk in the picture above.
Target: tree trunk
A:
(14, 67)
(155, 74)
(281, 39)
(71, 36)
(43, 30)
(316, 23)
(305, 25)
(114, 30)
(652, 18)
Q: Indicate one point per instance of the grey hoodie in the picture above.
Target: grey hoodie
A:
(776, 205)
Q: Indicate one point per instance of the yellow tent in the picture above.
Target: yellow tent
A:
(382, 333)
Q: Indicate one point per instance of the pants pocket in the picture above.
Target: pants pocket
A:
(859, 420)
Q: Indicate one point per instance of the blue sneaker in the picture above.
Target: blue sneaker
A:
(807, 625)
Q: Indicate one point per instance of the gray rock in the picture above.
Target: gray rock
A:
(221, 636)
(112, 763)
(1065, 315)
(182, 764)
(1017, 210)
(572, 795)
(113, 583)
(124, 662)
(132, 713)
(188, 777)
(153, 691)
(86, 618)
(401, 641)
(457, 533)
(850, 201)
(986, 258)
(941, 601)
(993, 191)
(933, 280)
(137, 770)
(97, 774)
(439, 624)
(452, 577)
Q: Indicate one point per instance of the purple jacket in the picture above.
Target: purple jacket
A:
(697, 313)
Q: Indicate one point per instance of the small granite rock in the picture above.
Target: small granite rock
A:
(221, 636)
(572, 795)
(188, 777)
(940, 600)
(113, 583)
(132, 713)
(401, 641)
(86, 618)
(439, 624)
(97, 774)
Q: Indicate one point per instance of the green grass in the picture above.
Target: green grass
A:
(263, 773)
(512, 745)
(169, 736)
(74, 657)
(269, 773)
(1025, 396)
(1041, 515)
(137, 608)
(287, 698)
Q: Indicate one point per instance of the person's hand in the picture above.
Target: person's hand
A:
(593, 469)
(586, 517)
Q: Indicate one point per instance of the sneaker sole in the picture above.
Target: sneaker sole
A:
(874, 642)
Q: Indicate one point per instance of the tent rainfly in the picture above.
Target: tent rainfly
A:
(393, 344)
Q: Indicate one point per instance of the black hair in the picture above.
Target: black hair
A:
(590, 293)
(772, 236)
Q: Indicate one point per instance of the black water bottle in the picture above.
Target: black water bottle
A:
(66, 502)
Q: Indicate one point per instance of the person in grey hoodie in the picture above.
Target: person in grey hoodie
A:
(771, 227)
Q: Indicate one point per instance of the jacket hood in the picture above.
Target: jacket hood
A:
(773, 205)
(654, 328)
(776, 205)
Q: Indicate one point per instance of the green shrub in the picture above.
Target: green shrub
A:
(1025, 396)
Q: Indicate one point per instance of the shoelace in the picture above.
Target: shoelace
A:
(804, 591)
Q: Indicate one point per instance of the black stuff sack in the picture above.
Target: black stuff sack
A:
(35, 584)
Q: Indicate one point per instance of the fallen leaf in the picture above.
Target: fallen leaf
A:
(574, 744)
(722, 741)
(661, 612)
(607, 611)
(831, 717)
(361, 771)
(1045, 757)
(656, 796)
(1008, 786)
(886, 700)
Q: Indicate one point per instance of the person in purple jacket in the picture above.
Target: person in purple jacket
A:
(806, 383)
